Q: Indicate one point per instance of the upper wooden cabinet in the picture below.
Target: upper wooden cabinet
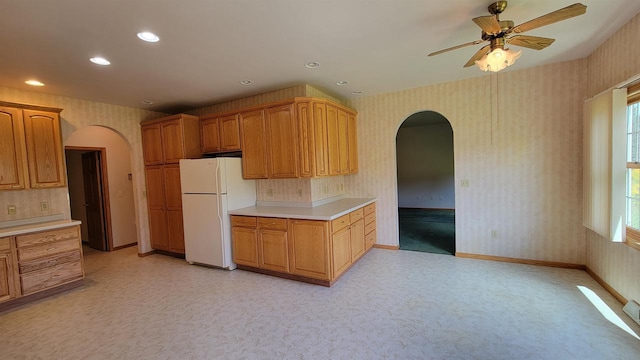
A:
(30, 147)
(220, 133)
(301, 137)
(169, 139)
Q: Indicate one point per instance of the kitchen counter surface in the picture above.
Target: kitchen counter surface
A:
(329, 211)
(35, 227)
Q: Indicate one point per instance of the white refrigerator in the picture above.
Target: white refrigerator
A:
(210, 188)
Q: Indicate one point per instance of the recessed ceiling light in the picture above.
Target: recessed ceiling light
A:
(34, 83)
(342, 82)
(100, 60)
(246, 82)
(357, 92)
(312, 65)
(148, 36)
(147, 102)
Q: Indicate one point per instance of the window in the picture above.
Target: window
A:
(633, 166)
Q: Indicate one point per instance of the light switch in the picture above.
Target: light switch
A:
(11, 210)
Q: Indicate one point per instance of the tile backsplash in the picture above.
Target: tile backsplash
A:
(29, 203)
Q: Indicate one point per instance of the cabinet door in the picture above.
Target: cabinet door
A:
(152, 144)
(173, 194)
(155, 187)
(172, 141)
(273, 250)
(353, 144)
(158, 229)
(358, 245)
(333, 140)
(44, 149)
(7, 272)
(254, 146)
(13, 160)
(304, 117)
(320, 139)
(229, 133)
(209, 135)
(343, 141)
(282, 142)
(341, 251)
(309, 249)
(175, 232)
(245, 246)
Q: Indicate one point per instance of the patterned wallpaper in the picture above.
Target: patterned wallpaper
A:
(517, 139)
(614, 62)
(76, 114)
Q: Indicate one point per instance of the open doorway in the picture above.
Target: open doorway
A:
(88, 184)
(426, 184)
(105, 153)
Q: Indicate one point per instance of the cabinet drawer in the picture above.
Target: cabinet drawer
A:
(340, 223)
(371, 208)
(369, 227)
(47, 236)
(272, 223)
(370, 218)
(5, 244)
(50, 277)
(246, 221)
(356, 215)
(39, 264)
(370, 238)
(47, 249)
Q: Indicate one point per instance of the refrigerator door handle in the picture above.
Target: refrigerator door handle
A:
(225, 261)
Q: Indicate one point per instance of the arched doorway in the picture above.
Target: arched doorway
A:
(100, 187)
(426, 184)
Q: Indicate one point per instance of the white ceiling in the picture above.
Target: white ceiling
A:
(208, 46)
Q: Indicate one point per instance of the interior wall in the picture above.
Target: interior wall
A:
(615, 61)
(76, 191)
(425, 166)
(523, 159)
(121, 197)
(76, 114)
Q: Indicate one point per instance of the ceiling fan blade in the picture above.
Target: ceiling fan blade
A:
(478, 55)
(456, 47)
(550, 18)
(488, 24)
(531, 42)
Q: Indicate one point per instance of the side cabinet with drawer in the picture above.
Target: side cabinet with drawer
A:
(370, 225)
(49, 258)
(9, 280)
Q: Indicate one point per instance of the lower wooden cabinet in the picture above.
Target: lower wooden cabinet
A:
(39, 261)
(316, 251)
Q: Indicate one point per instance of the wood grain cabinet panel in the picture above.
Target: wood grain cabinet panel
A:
(282, 142)
(13, 159)
(341, 247)
(209, 134)
(230, 133)
(352, 134)
(273, 250)
(254, 145)
(309, 249)
(45, 156)
(343, 141)
(320, 145)
(358, 245)
(306, 140)
(9, 279)
(245, 246)
(333, 145)
(172, 141)
(152, 144)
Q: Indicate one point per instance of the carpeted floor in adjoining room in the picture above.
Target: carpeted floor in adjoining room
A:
(427, 230)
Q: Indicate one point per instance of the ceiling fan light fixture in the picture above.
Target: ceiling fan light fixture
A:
(498, 59)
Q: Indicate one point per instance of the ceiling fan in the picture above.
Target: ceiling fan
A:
(495, 56)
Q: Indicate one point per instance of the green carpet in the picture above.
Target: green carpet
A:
(427, 230)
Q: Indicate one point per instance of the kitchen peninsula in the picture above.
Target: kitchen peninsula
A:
(311, 244)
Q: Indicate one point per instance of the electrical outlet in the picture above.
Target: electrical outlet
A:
(269, 192)
(494, 233)
(464, 183)
(44, 206)
(299, 192)
(11, 210)
(325, 189)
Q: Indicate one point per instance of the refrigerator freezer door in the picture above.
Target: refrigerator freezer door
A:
(206, 233)
(203, 176)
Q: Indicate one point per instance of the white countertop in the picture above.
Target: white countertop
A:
(35, 227)
(329, 211)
